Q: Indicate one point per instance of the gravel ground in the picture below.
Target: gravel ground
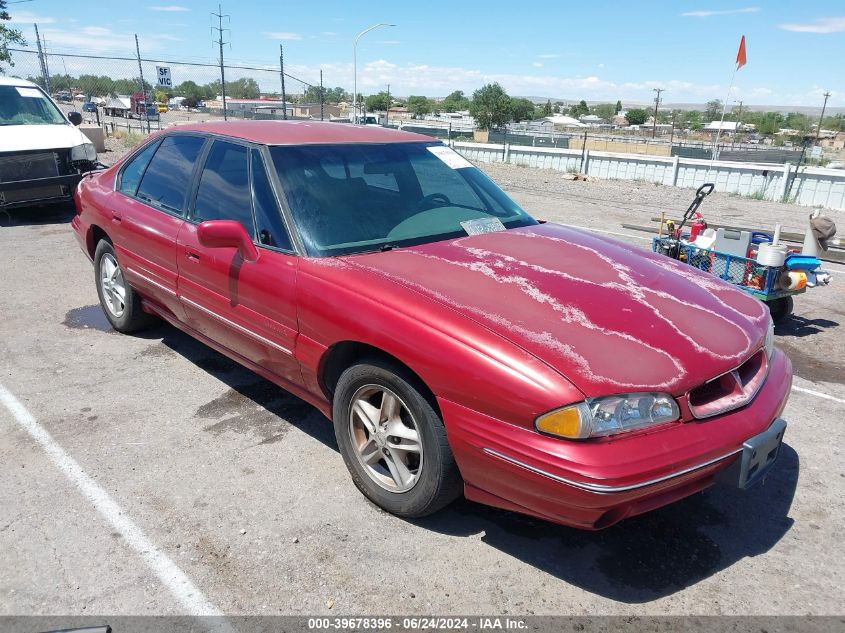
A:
(556, 196)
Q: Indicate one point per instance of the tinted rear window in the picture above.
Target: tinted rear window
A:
(168, 177)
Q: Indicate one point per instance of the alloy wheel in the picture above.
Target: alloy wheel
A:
(386, 438)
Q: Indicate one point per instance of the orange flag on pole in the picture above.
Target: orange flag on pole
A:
(740, 54)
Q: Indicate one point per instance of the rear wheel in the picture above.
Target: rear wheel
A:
(393, 441)
(119, 301)
(780, 308)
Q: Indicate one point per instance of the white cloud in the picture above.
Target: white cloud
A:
(549, 56)
(170, 8)
(537, 65)
(601, 66)
(284, 36)
(823, 25)
(708, 13)
(27, 17)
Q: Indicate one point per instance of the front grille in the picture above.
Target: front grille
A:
(29, 166)
(731, 390)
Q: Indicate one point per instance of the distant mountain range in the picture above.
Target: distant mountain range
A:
(785, 109)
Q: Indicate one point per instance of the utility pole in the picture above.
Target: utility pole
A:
(821, 118)
(42, 62)
(282, 74)
(387, 112)
(672, 133)
(321, 94)
(143, 87)
(219, 41)
(656, 103)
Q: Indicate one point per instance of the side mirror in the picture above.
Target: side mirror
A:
(74, 117)
(227, 234)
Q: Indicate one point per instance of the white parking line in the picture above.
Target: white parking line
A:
(188, 595)
(595, 230)
(818, 394)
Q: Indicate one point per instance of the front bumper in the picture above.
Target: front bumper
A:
(18, 193)
(594, 484)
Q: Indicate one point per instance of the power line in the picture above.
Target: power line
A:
(166, 61)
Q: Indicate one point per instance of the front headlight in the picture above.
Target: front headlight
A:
(86, 151)
(770, 339)
(609, 415)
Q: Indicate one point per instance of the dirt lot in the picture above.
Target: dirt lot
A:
(241, 486)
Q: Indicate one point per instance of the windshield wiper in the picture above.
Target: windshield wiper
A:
(388, 247)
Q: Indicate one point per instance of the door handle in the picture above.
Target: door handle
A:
(191, 255)
(116, 217)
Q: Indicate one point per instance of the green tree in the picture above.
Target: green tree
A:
(8, 36)
(490, 106)
(380, 102)
(797, 121)
(455, 101)
(521, 109)
(418, 105)
(547, 109)
(618, 107)
(835, 123)
(243, 88)
(191, 90)
(769, 122)
(582, 109)
(312, 95)
(713, 110)
(604, 111)
(636, 116)
(693, 119)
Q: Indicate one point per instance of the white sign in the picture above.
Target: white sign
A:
(164, 80)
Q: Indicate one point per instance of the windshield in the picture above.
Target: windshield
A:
(354, 198)
(24, 105)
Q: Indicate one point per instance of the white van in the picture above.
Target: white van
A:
(42, 153)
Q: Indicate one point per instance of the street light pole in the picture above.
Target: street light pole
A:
(355, 67)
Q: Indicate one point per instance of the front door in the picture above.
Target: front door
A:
(146, 222)
(247, 307)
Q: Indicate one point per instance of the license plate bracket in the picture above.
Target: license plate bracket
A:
(759, 454)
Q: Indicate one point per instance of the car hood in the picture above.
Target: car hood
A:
(22, 138)
(610, 317)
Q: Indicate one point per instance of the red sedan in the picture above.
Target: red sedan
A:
(458, 344)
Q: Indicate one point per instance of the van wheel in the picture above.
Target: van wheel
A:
(780, 308)
(119, 301)
(393, 441)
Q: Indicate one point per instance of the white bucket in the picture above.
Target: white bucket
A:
(770, 255)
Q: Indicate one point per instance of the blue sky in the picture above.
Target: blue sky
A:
(595, 50)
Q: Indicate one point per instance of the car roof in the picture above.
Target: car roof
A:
(15, 81)
(302, 132)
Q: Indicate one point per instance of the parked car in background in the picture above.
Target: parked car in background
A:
(456, 343)
(89, 107)
(42, 153)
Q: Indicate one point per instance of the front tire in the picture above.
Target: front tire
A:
(780, 308)
(393, 441)
(119, 301)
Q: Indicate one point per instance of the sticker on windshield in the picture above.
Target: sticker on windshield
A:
(28, 92)
(482, 225)
(449, 156)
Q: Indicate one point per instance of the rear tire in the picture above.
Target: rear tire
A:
(393, 441)
(780, 308)
(120, 303)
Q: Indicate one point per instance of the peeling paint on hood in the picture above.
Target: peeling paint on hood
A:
(608, 316)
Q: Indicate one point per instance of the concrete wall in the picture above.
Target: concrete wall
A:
(811, 187)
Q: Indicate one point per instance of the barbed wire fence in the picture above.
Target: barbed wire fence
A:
(122, 91)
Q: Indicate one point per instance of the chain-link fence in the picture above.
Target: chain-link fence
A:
(123, 91)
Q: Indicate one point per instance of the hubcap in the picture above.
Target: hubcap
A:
(112, 285)
(386, 438)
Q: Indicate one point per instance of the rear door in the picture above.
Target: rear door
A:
(248, 307)
(153, 190)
